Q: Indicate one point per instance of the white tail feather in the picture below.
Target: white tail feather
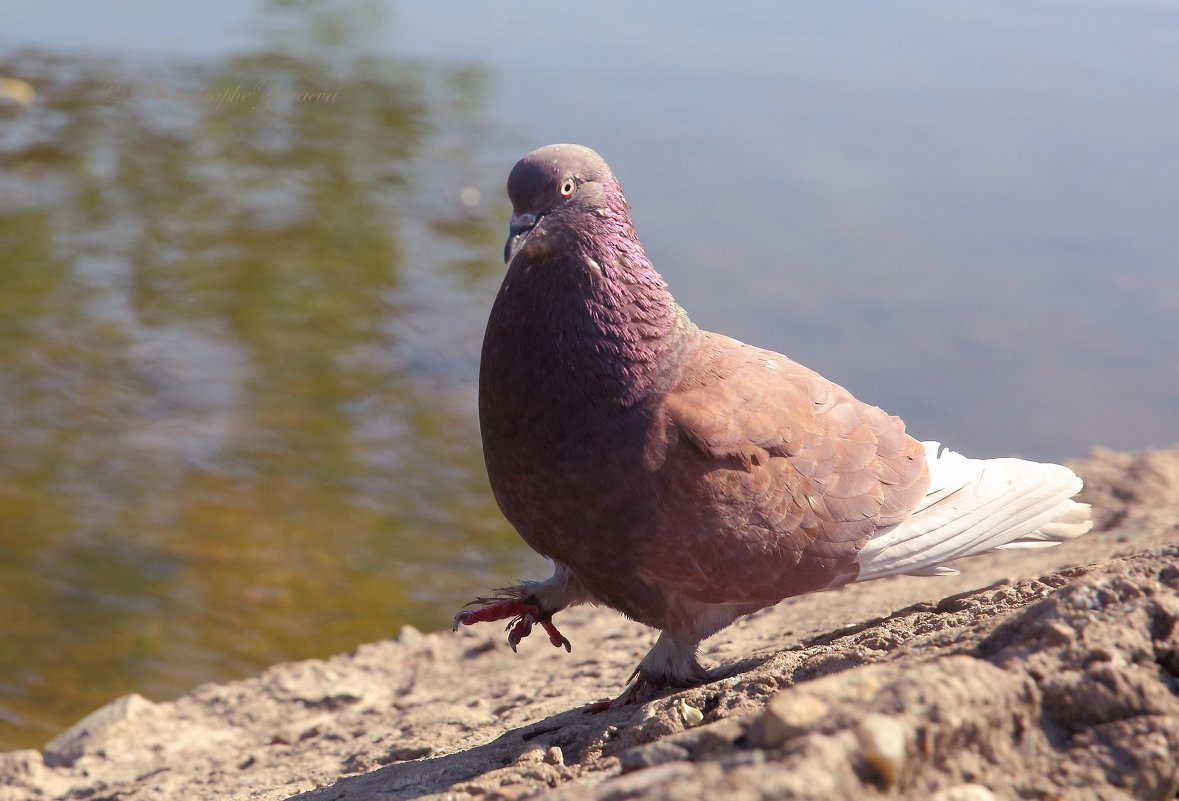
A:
(974, 506)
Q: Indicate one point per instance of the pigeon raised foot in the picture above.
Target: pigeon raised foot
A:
(685, 478)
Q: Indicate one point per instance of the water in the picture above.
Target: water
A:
(239, 334)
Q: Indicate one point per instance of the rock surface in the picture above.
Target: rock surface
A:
(1058, 679)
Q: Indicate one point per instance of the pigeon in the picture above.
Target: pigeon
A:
(684, 478)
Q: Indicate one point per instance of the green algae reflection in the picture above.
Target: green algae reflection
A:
(237, 358)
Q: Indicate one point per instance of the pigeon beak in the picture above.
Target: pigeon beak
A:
(521, 226)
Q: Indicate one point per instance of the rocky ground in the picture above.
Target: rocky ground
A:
(1058, 679)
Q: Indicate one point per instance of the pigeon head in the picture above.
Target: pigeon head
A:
(580, 295)
(556, 192)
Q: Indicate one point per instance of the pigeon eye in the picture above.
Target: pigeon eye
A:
(567, 188)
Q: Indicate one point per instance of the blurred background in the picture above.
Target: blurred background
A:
(247, 251)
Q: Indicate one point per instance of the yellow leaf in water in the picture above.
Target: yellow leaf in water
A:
(18, 90)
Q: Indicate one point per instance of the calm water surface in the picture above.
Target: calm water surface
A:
(239, 326)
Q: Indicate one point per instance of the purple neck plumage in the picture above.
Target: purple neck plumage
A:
(641, 328)
(603, 313)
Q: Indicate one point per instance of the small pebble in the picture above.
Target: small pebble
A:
(1059, 634)
(964, 792)
(408, 634)
(786, 716)
(533, 756)
(883, 740)
(652, 754)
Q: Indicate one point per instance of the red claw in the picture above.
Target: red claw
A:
(520, 628)
(523, 616)
(555, 637)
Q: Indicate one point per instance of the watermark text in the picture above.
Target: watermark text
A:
(259, 96)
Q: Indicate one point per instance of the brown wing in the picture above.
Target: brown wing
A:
(773, 478)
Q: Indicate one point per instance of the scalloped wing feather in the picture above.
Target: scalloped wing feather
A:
(773, 480)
